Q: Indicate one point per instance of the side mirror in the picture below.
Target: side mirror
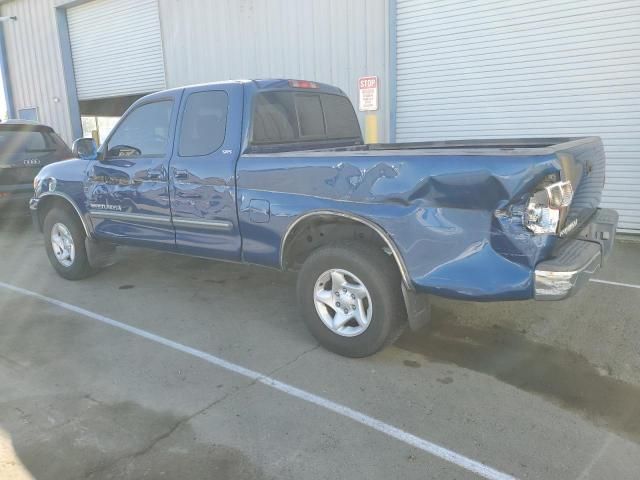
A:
(85, 148)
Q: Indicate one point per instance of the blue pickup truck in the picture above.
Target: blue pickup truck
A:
(275, 173)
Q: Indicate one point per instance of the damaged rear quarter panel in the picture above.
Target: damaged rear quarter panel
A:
(451, 216)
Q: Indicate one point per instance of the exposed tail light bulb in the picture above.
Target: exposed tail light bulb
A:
(547, 207)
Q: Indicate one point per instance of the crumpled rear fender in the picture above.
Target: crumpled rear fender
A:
(455, 219)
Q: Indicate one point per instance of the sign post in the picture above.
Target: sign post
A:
(368, 102)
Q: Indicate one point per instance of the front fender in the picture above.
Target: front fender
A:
(62, 181)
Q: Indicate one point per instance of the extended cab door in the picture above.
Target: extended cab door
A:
(202, 172)
(128, 190)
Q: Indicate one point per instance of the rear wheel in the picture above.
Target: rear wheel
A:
(350, 298)
(64, 242)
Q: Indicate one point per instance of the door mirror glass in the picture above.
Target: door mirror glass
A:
(123, 151)
(85, 148)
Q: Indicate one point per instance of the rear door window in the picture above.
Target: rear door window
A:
(204, 123)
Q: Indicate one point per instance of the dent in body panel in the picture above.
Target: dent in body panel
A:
(440, 212)
(204, 214)
(66, 179)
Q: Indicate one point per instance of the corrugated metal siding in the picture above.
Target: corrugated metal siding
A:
(482, 69)
(332, 41)
(34, 59)
(116, 47)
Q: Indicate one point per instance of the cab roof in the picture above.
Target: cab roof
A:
(268, 84)
(294, 84)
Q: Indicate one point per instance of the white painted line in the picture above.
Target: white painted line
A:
(617, 284)
(406, 437)
(596, 458)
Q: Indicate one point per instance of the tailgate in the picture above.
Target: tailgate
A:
(583, 163)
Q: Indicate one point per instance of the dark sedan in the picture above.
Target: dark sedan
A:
(25, 147)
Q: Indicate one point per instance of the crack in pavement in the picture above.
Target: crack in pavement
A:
(159, 438)
(290, 362)
(184, 420)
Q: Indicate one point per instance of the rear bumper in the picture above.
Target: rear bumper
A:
(14, 201)
(577, 259)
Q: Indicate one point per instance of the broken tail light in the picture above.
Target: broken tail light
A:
(547, 207)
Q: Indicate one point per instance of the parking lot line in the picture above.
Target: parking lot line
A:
(617, 284)
(429, 447)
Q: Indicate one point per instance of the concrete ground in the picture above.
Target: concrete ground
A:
(534, 390)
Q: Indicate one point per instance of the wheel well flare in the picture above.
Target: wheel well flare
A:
(50, 201)
(315, 229)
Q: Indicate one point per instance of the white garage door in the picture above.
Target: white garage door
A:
(116, 47)
(513, 68)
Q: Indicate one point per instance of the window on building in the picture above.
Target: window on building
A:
(204, 123)
(144, 132)
(28, 114)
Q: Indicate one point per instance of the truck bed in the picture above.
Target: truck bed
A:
(483, 144)
(493, 147)
(528, 146)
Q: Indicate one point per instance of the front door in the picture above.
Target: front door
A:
(128, 188)
(202, 172)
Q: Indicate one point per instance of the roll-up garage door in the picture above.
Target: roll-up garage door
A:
(515, 68)
(116, 47)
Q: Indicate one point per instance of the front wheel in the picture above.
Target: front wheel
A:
(350, 298)
(64, 242)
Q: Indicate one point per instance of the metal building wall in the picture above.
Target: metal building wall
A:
(473, 69)
(332, 41)
(34, 60)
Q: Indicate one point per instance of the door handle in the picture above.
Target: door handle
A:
(183, 194)
(153, 175)
(180, 174)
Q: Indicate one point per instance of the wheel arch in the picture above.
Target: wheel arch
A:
(327, 216)
(49, 200)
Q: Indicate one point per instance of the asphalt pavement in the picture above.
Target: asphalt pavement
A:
(139, 372)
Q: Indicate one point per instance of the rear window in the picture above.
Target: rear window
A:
(286, 117)
(340, 118)
(310, 116)
(19, 145)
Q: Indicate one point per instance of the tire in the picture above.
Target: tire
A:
(68, 227)
(358, 264)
